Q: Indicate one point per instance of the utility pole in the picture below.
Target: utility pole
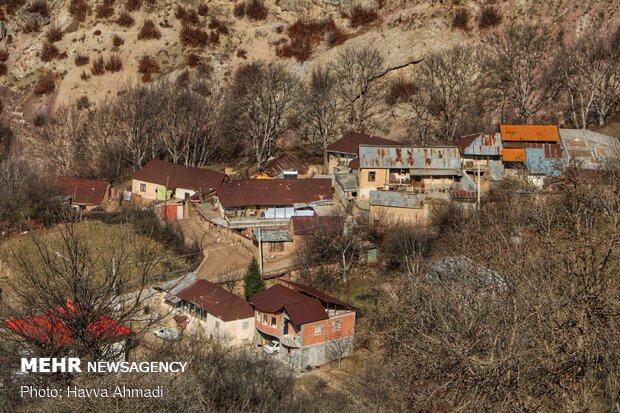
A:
(478, 188)
(260, 251)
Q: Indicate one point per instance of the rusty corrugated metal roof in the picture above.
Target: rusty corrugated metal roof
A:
(529, 133)
(480, 144)
(82, 191)
(307, 311)
(406, 157)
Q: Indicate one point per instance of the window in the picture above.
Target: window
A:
(187, 195)
(142, 187)
(317, 330)
(337, 325)
(258, 317)
(371, 176)
(217, 325)
(274, 321)
(265, 319)
(246, 325)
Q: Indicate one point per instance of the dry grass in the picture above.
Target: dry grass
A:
(256, 10)
(79, 9)
(193, 37)
(3, 69)
(46, 85)
(54, 34)
(49, 52)
(133, 5)
(203, 10)
(306, 34)
(461, 19)
(361, 16)
(193, 60)
(114, 63)
(98, 66)
(81, 60)
(149, 31)
(125, 20)
(489, 17)
(148, 66)
(41, 7)
(117, 41)
(105, 10)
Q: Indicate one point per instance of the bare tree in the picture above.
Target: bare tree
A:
(590, 71)
(445, 85)
(321, 108)
(188, 124)
(63, 140)
(77, 287)
(133, 116)
(518, 71)
(357, 70)
(259, 106)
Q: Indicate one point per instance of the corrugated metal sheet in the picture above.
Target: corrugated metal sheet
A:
(496, 170)
(482, 144)
(396, 199)
(537, 162)
(590, 148)
(513, 155)
(529, 133)
(402, 157)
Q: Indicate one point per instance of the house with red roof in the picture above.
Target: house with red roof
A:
(161, 180)
(340, 153)
(252, 203)
(82, 193)
(54, 330)
(311, 328)
(211, 309)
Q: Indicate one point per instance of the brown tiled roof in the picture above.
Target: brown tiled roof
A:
(82, 191)
(275, 298)
(300, 308)
(306, 311)
(317, 294)
(350, 142)
(216, 301)
(179, 176)
(283, 162)
(308, 225)
(267, 192)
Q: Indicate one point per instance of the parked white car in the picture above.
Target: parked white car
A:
(272, 347)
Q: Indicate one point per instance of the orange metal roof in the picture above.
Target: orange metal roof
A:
(513, 155)
(530, 133)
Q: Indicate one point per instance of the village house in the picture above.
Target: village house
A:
(482, 152)
(161, 180)
(340, 153)
(407, 169)
(400, 182)
(309, 327)
(50, 331)
(588, 149)
(211, 309)
(253, 203)
(536, 148)
(84, 194)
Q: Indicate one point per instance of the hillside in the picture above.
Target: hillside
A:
(404, 31)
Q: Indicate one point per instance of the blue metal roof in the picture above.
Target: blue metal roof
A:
(537, 163)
